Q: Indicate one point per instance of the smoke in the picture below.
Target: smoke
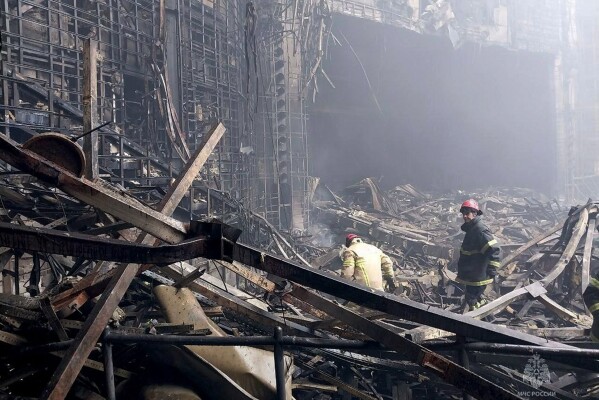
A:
(322, 236)
(471, 117)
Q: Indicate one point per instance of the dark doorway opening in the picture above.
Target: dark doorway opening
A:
(431, 115)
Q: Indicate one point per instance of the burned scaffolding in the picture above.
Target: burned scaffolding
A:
(166, 71)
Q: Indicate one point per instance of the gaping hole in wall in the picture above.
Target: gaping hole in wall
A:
(432, 115)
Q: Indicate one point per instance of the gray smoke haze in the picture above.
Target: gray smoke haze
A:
(322, 236)
(451, 118)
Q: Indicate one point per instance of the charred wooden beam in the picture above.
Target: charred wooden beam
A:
(53, 319)
(76, 356)
(271, 287)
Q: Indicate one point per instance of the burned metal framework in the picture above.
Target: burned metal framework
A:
(166, 72)
(276, 79)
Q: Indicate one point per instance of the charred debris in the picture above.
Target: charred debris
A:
(107, 295)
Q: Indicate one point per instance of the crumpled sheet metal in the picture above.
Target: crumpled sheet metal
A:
(191, 366)
(161, 392)
(253, 369)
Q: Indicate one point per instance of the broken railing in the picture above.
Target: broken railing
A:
(278, 341)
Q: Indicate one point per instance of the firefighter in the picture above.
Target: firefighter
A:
(479, 255)
(591, 300)
(366, 264)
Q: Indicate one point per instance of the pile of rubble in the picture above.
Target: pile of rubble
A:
(107, 297)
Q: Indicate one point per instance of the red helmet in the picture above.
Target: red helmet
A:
(471, 203)
(349, 238)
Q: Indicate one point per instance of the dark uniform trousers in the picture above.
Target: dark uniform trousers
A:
(479, 258)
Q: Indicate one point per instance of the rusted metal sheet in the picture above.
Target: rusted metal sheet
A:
(60, 150)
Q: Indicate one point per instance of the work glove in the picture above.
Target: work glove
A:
(391, 286)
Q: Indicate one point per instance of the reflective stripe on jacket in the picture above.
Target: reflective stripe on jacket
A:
(479, 255)
(367, 264)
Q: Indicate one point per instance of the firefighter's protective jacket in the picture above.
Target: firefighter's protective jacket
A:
(591, 295)
(479, 255)
(591, 300)
(367, 264)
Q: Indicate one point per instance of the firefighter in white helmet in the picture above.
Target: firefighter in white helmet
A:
(366, 264)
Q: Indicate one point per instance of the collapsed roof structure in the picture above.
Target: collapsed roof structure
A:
(287, 298)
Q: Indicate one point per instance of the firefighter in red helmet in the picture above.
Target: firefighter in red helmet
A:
(479, 255)
(366, 264)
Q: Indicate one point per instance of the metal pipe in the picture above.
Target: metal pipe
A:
(530, 350)
(580, 358)
(464, 361)
(279, 364)
(109, 370)
(17, 284)
(288, 341)
(74, 139)
(44, 348)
